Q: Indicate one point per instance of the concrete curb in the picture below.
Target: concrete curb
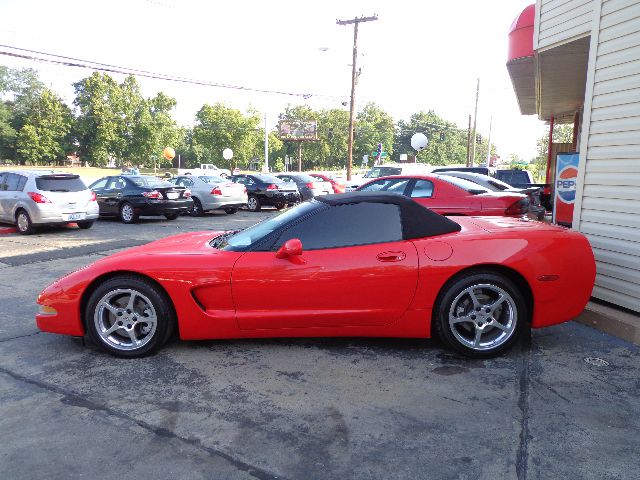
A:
(620, 323)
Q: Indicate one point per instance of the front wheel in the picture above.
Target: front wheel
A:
(481, 315)
(253, 204)
(85, 225)
(230, 210)
(129, 316)
(171, 216)
(280, 206)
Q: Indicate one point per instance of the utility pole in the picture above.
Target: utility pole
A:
(355, 21)
(475, 119)
(469, 143)
(265, 167)
(489, 148)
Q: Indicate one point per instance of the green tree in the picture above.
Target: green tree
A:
(562, 133)
(45, 134)
(373, 126)
(218, 127)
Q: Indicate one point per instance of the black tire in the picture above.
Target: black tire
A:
(24, 223)
(472, 330)
(230, 210)
(85, 225)
(117, 292)
(253, 204)
(280, 206)
(196, 209)
(171, 216)
(128, 214)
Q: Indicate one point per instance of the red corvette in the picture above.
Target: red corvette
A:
(357, 264)
(448, 195)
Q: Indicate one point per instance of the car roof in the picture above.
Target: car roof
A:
(417, 220)
(34, 173)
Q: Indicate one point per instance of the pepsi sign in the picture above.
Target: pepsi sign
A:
(566, 182)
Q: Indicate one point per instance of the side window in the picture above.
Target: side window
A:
(22, 180)
(248, 181)
(347, 225)
(3, 182)
(422, 189)
(241, 180)
(111, 184)
(120, 183)
(390, 184)
(100, 184)
(12, 182)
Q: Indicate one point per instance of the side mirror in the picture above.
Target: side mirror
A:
(290, 248)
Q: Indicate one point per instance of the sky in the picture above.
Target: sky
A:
(418, 56)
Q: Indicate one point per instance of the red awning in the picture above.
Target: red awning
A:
(521, 34)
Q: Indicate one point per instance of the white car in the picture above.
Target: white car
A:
(389, 169)
(205, 169)
(212, 193)
(29, 198)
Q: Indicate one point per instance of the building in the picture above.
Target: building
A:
(579, 61)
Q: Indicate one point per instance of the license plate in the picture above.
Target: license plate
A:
(172, 195)
(76, 216)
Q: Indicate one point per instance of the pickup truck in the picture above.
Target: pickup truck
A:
(205, 169)
(523, 179)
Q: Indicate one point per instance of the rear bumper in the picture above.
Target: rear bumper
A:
(52, 215)
(214, 202)
(278, 198)
(160, 207)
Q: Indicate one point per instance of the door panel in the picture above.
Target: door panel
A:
(363, 285)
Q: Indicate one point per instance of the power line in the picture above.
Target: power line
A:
(105, 67)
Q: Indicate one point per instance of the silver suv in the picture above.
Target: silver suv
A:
(32, 198)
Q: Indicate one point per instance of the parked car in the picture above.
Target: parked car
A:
(536, 210)
(336, 185)
(267, 190)
(308, 186)
(29, 199)
(130, 196)
(386, 170)
(452, 196)
(205, 169)
(212, 193)
(489, 171)
(357, 264)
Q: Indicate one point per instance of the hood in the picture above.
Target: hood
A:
(192, 243)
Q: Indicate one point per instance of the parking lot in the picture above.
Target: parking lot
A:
(564, 403)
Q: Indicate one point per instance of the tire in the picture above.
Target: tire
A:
(85, 225)
(171, 216)
(230, 210)
(253, 204)
(128, 214)
(480, 314)
(280, 206)
(113, 320)
(196, 210)
(23, 223)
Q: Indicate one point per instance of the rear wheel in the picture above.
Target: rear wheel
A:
(280, 206)
(128, 213)
(230, 210)
(85, 225)
(196, 210)
(480, 315)
(253, 204)
(23, 223)
(171, 216)
(129, 316)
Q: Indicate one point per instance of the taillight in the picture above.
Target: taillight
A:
(93, 197)
(309, 185)
(152, 194)
(273, 186)
(244, 190)
(216, 191)
(186, 193)
(519, 208)
(38, 197)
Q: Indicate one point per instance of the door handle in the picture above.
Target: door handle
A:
(391, 256)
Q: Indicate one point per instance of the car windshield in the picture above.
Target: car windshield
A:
(268, 179)
(240, 241)
(60, 183)
(212, 179)
(464, 184)
(383, 172)
(151, 182)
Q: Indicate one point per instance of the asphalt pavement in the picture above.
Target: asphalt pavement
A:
(565, 403)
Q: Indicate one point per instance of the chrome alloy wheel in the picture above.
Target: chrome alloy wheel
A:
(125, 319)
(483, 317)
(127, 212)
(23, 222)
(252, 203)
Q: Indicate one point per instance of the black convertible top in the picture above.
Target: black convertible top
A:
(417, 221)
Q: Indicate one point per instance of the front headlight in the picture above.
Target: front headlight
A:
(46, 310)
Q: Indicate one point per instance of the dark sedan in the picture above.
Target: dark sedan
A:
(308, 186)
(267, 190)
(130, 196)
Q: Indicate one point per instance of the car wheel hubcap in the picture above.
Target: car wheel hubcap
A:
(127, 213)
(252, 203)
(125, 319)
(483, 317)
(196, 207)
(23, 222)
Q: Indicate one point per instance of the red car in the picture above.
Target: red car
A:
(356, 264)
(448, 195)
(337, 187)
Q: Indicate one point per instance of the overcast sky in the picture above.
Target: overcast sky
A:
(417, 56)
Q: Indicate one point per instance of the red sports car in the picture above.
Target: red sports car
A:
(356, 264)
(448, 195)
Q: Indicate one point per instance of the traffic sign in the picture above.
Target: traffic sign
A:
(381, 155)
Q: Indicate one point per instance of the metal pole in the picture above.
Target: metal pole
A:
(549, 153)
(265, 166)
(475, 119)
(469, 143)
(299, 156)
(489, 148)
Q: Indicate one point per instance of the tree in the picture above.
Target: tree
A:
(219, 127)
(44, 136)
(373, 126)
(562, 133)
